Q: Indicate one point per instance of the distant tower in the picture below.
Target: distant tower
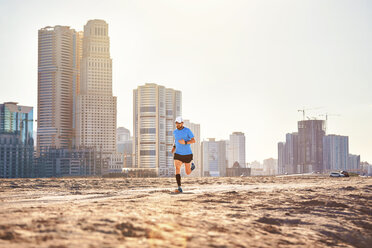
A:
(96, 106)
(236, 149)
(214, 161)
(310, 145)
(154, 110)
(58, 62)
(335, 152)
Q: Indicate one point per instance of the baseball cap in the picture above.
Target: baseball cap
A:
(179, 119)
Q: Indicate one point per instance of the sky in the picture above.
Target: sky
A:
(245, 66)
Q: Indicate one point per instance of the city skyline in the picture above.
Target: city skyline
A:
(219, 64)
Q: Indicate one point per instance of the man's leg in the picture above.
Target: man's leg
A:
(188, 168)
(178, 165)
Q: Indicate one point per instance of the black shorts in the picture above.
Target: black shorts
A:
(183, 158)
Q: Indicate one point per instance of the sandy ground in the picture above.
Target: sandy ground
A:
(213, 212)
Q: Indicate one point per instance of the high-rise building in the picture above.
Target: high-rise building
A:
(154, 110)
(281, 158)
(214, 161)
(196, 148)
(335, 152)
(58, 63)
(96, 106)
(125, 145)
(77, 58)
(236, 149)
(353, 163)
(310, 148)
(291, 153)
(16, 140)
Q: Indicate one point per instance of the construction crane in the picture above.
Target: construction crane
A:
(303, 111)
(326, 119)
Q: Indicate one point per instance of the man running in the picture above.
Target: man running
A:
(183, 137)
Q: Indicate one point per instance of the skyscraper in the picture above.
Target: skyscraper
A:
(353, 162)
(154, 110)
(236, 149)
(310, 139)
(214, 161)
(335, 152)
(16, 140)
(96, 106)
(57, 72)
(281, 158)
(291, 153)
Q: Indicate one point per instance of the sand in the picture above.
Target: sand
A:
(307, 211)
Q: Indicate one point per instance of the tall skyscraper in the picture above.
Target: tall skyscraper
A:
(353, 162)
(154, 110)
(196, 148)
(57, 72)
(291, 153)
(236, 149)
(77, 58)
(310, 139)
(335, 152)
(16, 140)
(281, 158)
(96, 106)
(214, 161)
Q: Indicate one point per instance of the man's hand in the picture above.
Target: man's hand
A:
(182, 142)
(173, 149)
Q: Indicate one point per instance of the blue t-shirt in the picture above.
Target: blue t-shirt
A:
(186, 135)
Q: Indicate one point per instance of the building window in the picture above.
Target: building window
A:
(148, 109)
(147, 130)
(147, 152)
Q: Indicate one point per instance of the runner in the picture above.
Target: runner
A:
(183, 137)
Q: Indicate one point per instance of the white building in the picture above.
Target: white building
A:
(214, 160)
(236, 149)
(58, 79)
(155, 109)
(96, 106)
(116, 163)
(270, 166)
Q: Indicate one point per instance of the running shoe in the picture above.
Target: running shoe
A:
(192, 166)
(179, 190)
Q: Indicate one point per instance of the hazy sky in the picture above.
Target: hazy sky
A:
(241, 65)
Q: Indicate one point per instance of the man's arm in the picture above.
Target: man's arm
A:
(174, 147)
(183, 142)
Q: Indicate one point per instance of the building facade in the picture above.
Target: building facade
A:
(335, 152)
(16, 141)
(54, 162)
(353, 163)
(96, 106)
(236, 149)
(214, 161)
(124, 143)
(58, 63)
(154, 110)
(310, 145)
(270, 166)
